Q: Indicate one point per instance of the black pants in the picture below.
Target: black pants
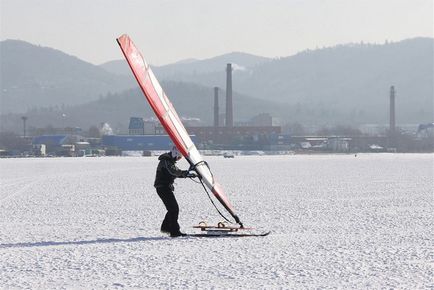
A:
(170, 222)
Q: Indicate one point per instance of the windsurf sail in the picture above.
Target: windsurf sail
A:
(168, 117)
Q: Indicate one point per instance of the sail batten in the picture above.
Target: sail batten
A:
(170, 120)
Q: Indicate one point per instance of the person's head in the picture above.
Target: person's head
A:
(175, 153)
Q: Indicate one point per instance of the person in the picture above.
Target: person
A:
(167, 172)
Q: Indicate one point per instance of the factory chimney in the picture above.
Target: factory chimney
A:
(392, 111)
(216, 106)
(229, 110)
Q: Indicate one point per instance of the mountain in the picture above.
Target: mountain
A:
(35, 76)
(117, 67)
(117, 108)
(193, 67)
(346, 84)
(352, 79)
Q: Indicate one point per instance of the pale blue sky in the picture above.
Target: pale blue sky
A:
(167, 31)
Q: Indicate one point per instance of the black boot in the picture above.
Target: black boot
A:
(177, 234)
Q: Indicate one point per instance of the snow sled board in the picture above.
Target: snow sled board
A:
(216, 234)
(224, 230)
(221, 226)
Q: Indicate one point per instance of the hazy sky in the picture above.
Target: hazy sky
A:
(167, 31)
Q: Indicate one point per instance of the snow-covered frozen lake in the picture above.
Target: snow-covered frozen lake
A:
(337, 221)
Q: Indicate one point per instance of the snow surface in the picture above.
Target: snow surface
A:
(337, 221)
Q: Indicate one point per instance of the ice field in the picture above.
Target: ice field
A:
(337, 221)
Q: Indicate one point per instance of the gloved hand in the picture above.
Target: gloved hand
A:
(192, 175)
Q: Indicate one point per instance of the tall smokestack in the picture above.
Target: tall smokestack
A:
(229, 111)
(216, 106)
(392, 111)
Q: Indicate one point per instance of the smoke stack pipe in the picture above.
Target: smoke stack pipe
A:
(216, 106)
(229, 112)
(392, 110)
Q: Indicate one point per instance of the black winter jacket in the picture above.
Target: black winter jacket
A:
(167, 172)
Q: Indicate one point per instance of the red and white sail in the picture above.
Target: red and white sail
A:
(169, 118)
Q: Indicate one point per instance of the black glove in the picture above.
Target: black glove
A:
(192, 175)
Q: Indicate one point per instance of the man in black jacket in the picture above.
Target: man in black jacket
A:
(167, 171)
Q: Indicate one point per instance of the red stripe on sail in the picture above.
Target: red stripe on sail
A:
(138, 66)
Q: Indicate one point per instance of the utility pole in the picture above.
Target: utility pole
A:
(392, 121)
(24, 118)
(392, 124)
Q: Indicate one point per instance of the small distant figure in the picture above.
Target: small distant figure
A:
(167, 172)
(228, 155)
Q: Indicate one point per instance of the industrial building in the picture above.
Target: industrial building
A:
(235, 135)
(257, 134)
(60, 145)
(138, 142)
